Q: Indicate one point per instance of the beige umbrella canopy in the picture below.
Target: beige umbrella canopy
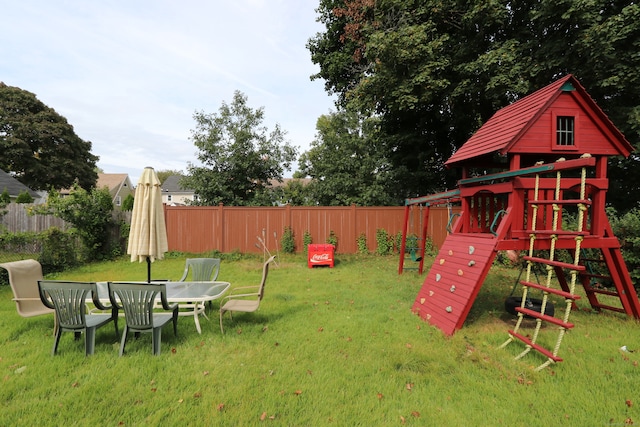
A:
(148, 232)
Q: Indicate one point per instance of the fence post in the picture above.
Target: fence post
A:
(221, 230)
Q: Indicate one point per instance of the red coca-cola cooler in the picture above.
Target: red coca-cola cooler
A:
(320, 254)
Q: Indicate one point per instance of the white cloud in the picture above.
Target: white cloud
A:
(128, 75)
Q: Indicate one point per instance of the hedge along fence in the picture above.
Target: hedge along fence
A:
(198, 229)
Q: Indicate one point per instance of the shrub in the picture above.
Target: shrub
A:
(91, 215)
(627, 230)
(24, 197)
(58, 251)
(384, 244)
(333, 240)
(127, 203)
(362, 244)
(288, 241)
(5, 198)
(306, 240)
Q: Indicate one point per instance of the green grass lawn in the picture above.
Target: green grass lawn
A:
(329, 346)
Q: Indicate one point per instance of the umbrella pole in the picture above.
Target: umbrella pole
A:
(148, 269)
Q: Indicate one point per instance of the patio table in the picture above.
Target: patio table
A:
(189, 295)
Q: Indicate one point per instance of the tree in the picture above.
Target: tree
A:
(346, 162)
(435, 71)
(239, 155)
(38, 145)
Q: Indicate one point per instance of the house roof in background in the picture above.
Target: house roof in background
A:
(13, 186)
(111, 180)
(172, 185)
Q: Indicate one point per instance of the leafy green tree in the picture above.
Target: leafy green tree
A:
(39, 146)
(296, 193)
(434, 71)
(90, 213)
(347, 163)
(239, 155)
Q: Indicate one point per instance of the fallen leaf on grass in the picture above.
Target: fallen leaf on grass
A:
(409, 345)
(263, 416)
(402, 420)
(297, 392)
(409, 386)
(205, 373)
(76, 384)
(320, 329)
(629, 403)
(380, 395)
(173, 350)
(153, 389)
(197, 395)
(415, 414)
(220, 406)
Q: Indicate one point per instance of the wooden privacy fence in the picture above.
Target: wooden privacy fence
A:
(16, 220)
(198, 229)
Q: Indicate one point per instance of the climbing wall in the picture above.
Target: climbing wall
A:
(454, 280)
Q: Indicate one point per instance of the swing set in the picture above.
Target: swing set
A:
(413, 245)
(554, 145)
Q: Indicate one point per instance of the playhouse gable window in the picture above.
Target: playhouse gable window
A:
(565, 126)
(564, 131)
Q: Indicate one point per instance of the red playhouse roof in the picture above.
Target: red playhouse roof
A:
(505, 128)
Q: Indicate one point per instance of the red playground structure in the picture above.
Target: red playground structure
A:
(540, 192)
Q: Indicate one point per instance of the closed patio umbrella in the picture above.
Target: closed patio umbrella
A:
(148, 232)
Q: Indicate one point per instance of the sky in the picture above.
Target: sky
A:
(128, 75)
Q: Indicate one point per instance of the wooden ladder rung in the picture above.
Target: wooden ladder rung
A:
(600, 260)
(546, 318)
(608, 307)
(559, 233)
(596, 276)
(602, 292)
(561, 202)
(555, 263)
(536, 347)
(543, 288)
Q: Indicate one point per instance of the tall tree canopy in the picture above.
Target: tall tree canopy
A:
(346, 162)
(39, 147)
(239, 155)
(435, 70)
